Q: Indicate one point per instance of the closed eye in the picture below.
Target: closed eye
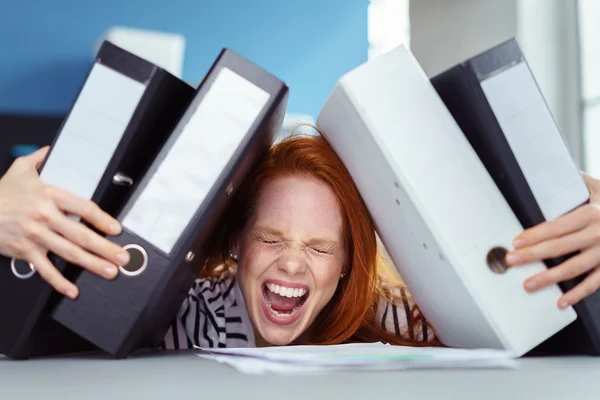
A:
(321, 251)
(266, 239)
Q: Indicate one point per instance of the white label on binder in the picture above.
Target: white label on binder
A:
(535, 140)
(192, 166)
(92, 131)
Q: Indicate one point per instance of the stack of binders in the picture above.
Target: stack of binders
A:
(451, 168)
(170, 219)
(122, 115)
(463, 162)
(165, 160)
(495, 100)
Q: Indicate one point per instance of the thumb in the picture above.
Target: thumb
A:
(593, 184)
(36, 158)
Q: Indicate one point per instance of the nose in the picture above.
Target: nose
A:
(293, 262)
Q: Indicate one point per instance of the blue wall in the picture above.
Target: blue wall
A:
(46, 45)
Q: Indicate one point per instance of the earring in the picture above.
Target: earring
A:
(233, 256)
(342, 275)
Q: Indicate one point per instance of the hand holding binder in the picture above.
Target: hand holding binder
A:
(494, 98)
(124, 111)
(575, 231)
(33, 222)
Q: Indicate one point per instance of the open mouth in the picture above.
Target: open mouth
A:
(283, 304)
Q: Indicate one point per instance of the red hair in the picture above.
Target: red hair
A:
(350, 316)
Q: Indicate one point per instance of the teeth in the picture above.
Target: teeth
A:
(285, 291)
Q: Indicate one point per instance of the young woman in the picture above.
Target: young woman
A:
(297, 263)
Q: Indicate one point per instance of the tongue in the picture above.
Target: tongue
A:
(280, 303)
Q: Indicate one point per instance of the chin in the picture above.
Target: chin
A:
(275, 339)
(283, 311)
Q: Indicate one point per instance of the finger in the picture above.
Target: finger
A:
(586, 288)
(84, 237)
(563, 225)
(75, 254)
(86, 209)
(29, 163)
(571, 268)
(36, 158)
(593, 186)
(50, 274)
(557, 247)
(590, 182)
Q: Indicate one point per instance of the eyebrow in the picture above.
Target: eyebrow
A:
(313, 241)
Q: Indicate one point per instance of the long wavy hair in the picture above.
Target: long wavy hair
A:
(350, 316)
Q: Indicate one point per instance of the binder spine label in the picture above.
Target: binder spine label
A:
(190, 168)
(535, 140)
(92, 131)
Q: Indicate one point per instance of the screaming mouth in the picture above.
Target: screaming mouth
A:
(282, 301)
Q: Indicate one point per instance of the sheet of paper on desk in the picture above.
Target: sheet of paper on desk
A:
(371, 356)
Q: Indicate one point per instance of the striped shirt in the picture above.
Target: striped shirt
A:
(214, 314)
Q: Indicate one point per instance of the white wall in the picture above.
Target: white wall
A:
(445, 32)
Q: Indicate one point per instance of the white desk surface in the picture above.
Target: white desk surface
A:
(174, 376)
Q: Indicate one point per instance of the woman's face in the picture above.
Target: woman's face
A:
(291, 256)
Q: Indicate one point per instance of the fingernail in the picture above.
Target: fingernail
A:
(71, 293)
(123, 258)
(562, 304)
(115, 228)
(531, 285)
(110, 272)
(518, 242)
(512, 258)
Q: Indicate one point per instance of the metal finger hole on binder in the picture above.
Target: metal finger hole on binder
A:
(229, 189)
(138, 260)
(496, 260)
(18, 266)
(189, 257)
(121, 179)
